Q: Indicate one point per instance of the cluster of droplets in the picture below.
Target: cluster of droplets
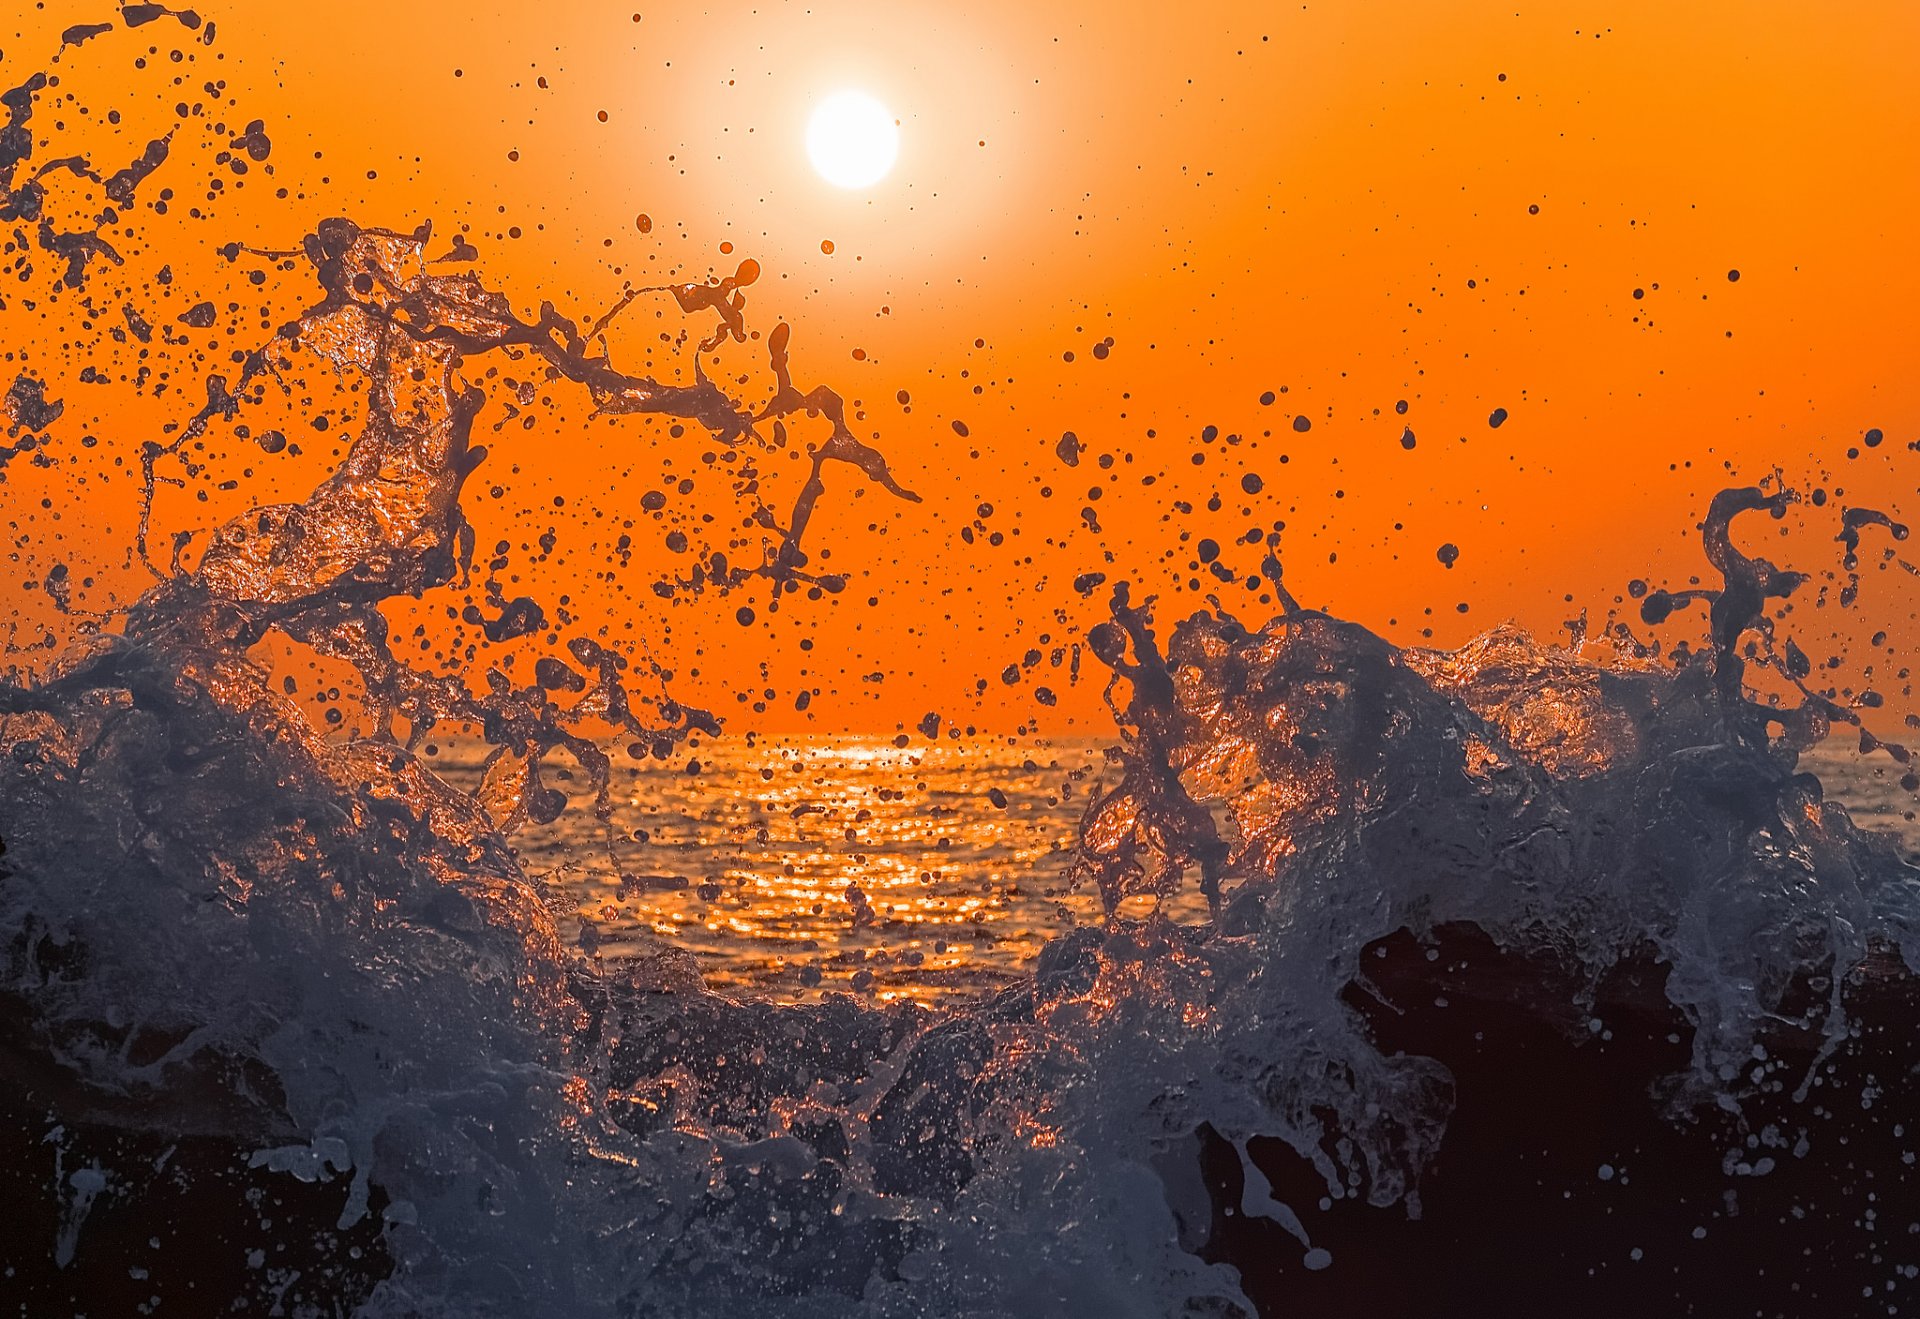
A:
(411, 334)
(830, 1155)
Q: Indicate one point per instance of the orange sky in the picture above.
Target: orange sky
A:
(1333, 202)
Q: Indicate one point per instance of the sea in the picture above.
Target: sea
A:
(1526, 979)
(798, 868)
(793, 869)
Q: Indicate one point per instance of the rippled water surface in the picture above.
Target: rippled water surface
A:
(295, 1021)
(803, 867)
(1870, 789)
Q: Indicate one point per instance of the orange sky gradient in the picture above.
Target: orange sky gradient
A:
(1462, 206)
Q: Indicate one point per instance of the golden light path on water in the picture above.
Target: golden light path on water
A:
(793, 869)
(803, 867)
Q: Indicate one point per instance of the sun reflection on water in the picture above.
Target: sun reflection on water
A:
(794, 869)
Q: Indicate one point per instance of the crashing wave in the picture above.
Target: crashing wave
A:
(316, 968)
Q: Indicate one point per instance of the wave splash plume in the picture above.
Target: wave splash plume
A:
(298, 988)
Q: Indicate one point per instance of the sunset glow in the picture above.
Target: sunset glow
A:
(960, 660)
(852, 140)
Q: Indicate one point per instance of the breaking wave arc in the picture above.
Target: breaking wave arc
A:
(1522, 966)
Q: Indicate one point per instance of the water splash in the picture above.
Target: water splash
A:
(222, 923)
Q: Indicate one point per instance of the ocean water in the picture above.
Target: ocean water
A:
(1870, 788)
(799, 868)
(793, 869)
(1348, 978)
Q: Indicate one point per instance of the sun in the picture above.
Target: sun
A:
(852, 140)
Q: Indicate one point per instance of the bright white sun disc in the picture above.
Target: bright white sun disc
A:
(852, 140)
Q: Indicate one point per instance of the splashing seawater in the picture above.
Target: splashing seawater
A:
(316, 960)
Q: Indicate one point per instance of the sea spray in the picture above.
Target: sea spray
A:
(315, 957)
